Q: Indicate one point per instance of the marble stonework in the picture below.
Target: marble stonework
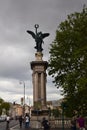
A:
(39, 80)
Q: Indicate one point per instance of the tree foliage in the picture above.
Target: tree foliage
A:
(55, 112)
(4, 105)
(68, 60)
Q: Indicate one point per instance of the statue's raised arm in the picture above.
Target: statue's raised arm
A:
(39, 36)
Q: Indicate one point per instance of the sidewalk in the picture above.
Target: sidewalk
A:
(18, 128)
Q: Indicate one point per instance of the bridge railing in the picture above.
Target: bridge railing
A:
(58, 123)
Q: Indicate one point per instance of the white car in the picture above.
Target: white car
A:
(2, 118)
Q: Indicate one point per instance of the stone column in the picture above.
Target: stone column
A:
(36, 87)
(39, 79)
(43, 90)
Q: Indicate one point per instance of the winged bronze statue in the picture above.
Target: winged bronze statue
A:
(39, 36)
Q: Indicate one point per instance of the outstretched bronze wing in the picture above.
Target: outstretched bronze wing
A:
(45, 35)
(31, 33)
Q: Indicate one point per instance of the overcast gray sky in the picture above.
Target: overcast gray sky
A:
(17, 46)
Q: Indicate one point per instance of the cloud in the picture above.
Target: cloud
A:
(17, 46)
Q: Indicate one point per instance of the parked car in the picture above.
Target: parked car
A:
(3, 118)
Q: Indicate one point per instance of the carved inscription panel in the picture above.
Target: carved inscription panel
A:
(39, 68)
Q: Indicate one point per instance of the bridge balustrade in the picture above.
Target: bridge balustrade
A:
(57, 123)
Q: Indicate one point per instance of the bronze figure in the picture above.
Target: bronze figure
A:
(39, 36)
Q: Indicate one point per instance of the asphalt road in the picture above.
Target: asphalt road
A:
(16, 127)
(11, 124)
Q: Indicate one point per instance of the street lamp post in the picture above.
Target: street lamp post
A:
(62, 117)
(63, 108)
(22, 82)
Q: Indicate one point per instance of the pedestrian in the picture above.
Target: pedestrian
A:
(20, 121)
(73, 123)
(81, 123)
(45, 124)
(27, 121)
(7, 122)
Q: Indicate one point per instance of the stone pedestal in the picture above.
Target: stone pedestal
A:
(39, 81)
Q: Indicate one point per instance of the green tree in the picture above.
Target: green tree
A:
(55, 112)
(68, 60)
(4, 105)
(1, 101)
